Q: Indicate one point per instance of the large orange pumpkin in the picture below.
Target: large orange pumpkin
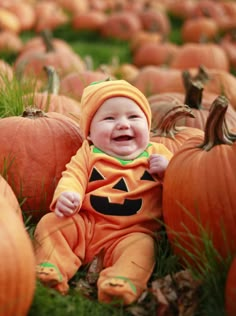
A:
(34, 151)
(8, 193)
(17, 273)
(199, 189)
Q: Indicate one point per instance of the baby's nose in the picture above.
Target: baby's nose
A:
(123, 123)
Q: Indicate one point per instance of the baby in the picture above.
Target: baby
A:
(108, 199)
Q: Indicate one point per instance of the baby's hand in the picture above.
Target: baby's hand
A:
(67, 204)
(158, 165)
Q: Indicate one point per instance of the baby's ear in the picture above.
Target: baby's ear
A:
(89, 140)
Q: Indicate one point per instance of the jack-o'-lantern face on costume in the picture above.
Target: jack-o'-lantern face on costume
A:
(124, 198)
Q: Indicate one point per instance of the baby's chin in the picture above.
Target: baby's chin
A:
(126, 155)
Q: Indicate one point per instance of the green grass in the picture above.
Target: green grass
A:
(49, 302)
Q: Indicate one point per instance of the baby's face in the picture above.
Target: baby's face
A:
(120, 128)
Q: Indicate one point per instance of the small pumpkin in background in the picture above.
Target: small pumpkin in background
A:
(216, 81)
(195, 97)
(199, 29)
(10, 42)
(90, 20)
(230, 289)
(49, 100)
(155, 21)
(153, 53)
(142, 37)
(228, 43)
(156, 79)
(193, 55)
(29, 63)
(9, 21)
(49, 15)
(73, 84)
(24, 11)
(121, 25)
(35, 148)
(166, 132)
(17, 273)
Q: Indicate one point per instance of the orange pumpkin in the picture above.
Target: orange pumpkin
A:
(199, 102)
(25, 13)
(121, 25)
(50, 100)
(7, 192)
(17, 273)
(31, 62)
(91, 20)
(155, 79)
(73, 84)
(49, 15)
(151, 53)
(155, 21)
(166, 132)
(192, 55)
(10, 42)
(200, 29)
(199, 190)
(34, 151)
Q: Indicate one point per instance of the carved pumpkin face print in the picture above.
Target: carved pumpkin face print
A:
(104, 205)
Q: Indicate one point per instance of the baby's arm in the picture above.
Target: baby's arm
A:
(158, 165)
(67, 204)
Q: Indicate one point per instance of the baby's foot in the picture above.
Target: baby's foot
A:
(117, 288)
(49, 275)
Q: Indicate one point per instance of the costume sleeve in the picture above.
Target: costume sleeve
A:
(75, 176)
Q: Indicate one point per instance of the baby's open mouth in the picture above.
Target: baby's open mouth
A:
(123, 138)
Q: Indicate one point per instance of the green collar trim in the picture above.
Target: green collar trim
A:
(122, 161)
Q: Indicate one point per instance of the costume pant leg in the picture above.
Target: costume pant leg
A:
(61, 242)
(130, 267)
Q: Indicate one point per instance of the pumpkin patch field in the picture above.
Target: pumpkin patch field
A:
(182, 56)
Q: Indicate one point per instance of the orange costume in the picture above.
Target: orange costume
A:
(121, 205)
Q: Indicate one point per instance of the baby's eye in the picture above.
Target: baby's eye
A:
(133, 116)
(108, 118)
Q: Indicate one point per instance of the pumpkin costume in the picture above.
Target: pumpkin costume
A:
(121, 202)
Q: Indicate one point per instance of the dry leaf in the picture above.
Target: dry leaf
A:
(177, 294)
(95, 268)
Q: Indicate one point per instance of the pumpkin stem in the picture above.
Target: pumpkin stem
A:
(216, 130)
(53, 82)
(193, 91)
(33, 113)
(167, 123)
(88, 60)
(47, 40)
(202, 75)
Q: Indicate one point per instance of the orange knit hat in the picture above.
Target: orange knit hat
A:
(97, 92)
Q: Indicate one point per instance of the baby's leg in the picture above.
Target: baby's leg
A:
(58, 256)
(131, 266)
